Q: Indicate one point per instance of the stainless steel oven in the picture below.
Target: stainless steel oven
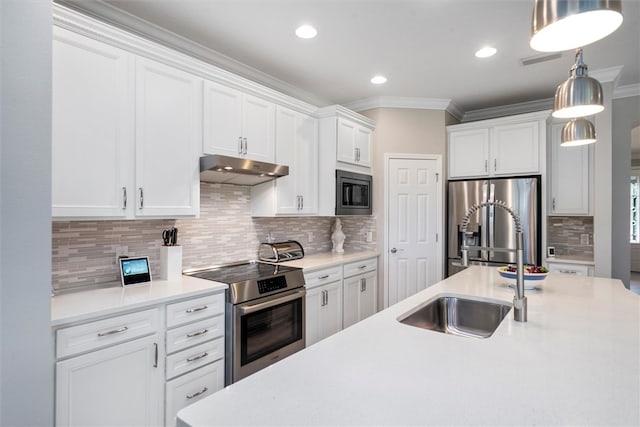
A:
(353, 193)
(265, 314)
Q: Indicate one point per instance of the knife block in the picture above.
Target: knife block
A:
(170, 262)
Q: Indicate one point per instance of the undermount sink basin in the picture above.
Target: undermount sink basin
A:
(457, 315)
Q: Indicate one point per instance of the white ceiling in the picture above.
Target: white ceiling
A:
(425, 47)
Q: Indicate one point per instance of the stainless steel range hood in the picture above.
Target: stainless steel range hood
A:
(233, 170)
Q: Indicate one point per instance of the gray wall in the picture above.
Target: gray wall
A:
(26, 351)
(626, 115)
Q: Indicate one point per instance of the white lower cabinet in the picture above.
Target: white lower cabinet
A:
(359, 298)
(118, 385)
(132, 370)
(324, 311)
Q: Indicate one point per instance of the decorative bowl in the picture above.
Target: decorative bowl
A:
(531, 280)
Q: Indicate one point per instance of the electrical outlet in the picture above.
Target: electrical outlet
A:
(121, 252)
(310, 236)
(584, 239)
(369, 236)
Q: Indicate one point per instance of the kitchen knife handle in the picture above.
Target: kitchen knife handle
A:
(124, 198)
(141, 197)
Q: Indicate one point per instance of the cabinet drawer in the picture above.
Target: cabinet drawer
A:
(321, 277)
(101, 333)
(194, 333)
(192, 358)
(573, 269)
(192, 387)
(194, 309)
(358, 267)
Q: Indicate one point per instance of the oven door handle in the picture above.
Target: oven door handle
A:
(276, 301)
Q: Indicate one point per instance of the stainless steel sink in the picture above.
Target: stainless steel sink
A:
(457, 315)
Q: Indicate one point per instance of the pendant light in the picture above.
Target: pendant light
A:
(580, 95)
(578, 131)
(559, 25)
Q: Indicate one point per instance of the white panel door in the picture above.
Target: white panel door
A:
(118, 386)
(92, 125)
(515, 149)
(168, 140)
(323, 305)
(414, 259)
(258, 123)
(222, 123)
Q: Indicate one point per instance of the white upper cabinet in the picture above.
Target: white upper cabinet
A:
(237, 124)
(507, 146)
(168, 105)
(92, 124)
(570, 179)
(296, 147)
(126, 133)
(354, 143)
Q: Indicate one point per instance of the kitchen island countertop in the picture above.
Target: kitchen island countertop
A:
(576, 361)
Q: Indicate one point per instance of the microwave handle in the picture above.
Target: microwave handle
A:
(276, 301)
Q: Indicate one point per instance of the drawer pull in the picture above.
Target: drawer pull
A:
(326, 276)
(200, 356)
(194, 310)
(568, 271)
(114, 331)
(195, 334)
(197, 393)
(362, 267)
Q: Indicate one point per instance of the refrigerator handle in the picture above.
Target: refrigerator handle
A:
(492, 219)
(485, 226)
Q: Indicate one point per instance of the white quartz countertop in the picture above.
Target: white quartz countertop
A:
(85, 305)
(575, 362)
(329, 259)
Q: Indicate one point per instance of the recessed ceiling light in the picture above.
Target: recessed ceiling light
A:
(486, 52)
(378, 80)
(306, 32)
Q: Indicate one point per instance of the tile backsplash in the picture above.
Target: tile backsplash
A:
(564, 233)
(83, 252)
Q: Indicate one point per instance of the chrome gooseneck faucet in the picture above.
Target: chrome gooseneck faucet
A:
(519, 300)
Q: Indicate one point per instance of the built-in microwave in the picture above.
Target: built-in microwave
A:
(353, 193)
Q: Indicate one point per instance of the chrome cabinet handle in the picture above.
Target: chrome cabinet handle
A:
(321, 298)
(495, 164)
(155, 357)
(124, 198)
(244, 151)
(486, 165)
(393, 250)
(114, 331)
(194, 310)
(326, 276)
(197, 333)
(553, 204)
(198, 357)
(301, 203)
(239, 145)
(363, 285)
(568, 272)
(141, 197)
(281, 300)
(362, 267)
(197, 393)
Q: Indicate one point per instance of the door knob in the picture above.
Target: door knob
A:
(394, 250)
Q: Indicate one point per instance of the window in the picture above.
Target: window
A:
(633, 222)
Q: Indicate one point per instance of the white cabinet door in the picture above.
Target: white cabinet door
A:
(515, 149)
(572, 269)
(323, 307)
(363, 146)
(286, 188)
(168, 137)
(360, 298)
(92, 124)
(222, 120)
(469, 153)
(353, 143)
(258, 124)
(570, 178)
(306, 164)
(120, 385)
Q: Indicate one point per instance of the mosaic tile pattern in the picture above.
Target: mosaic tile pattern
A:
(564, 232)
(84, 251)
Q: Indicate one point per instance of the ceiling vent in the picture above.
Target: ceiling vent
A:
(543, 57)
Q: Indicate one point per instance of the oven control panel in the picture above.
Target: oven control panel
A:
(272, 284)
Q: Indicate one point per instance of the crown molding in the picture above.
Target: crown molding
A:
(605, 75)
(508, 110)
(405, 102)
(626, 91)
(344, 112)
(111, 15)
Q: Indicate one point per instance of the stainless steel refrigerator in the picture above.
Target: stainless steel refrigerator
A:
(493, 226)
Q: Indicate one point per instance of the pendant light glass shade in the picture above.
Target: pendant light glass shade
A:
(567, 24)
(578, 132)
(580, 95)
